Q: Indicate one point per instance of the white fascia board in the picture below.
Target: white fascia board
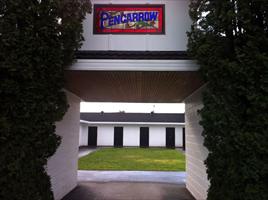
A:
(134, 65)
(131, 123)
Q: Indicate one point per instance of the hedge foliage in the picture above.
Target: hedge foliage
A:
(229, 38)
(37, 41)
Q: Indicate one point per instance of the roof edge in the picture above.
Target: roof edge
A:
(133, 55)
(131, 123)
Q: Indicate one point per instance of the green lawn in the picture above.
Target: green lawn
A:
(151, 159)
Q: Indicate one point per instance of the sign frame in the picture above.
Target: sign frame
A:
(127, 7)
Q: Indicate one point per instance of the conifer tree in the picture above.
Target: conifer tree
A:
(37, 41)
(229, 39)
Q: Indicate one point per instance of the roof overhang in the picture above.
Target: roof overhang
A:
(133, 77)
(131, 123)
(134, 65)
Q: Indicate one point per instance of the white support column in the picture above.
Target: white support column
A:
(196, 181)
(62, 166)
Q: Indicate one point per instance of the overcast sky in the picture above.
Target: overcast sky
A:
(133, 107)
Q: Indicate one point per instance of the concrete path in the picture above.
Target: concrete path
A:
(85, 151)
(132, 176)
(128, 191)
(128, 185)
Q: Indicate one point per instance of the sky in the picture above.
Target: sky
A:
(133, 107)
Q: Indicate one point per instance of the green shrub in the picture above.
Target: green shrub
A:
(37, 40)
(230, 41)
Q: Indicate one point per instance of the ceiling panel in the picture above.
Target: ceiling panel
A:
(120, 86)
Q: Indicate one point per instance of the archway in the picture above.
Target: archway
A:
(133, 68)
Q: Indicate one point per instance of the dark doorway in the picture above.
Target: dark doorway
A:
(118, 136)
(92, 136)
(170, 137)
(144, 137)
(183, 139)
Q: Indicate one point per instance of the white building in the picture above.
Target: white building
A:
(131, 130)
(142, 67)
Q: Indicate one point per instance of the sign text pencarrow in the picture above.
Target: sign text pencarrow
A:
(120, 19)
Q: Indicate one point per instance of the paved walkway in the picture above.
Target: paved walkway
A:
(128, 191)
(132, 176)
(128, 185)
(83, 151)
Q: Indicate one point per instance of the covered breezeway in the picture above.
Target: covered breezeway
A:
(64, 176)
(133, 68)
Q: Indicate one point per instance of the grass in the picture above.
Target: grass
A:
(134, 159)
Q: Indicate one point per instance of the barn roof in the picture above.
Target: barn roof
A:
(133, 117)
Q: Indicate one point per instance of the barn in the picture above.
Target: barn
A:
(132, 130)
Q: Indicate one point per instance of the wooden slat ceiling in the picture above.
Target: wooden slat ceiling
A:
(119, 86)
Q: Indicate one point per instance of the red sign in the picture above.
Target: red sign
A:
(129, 19)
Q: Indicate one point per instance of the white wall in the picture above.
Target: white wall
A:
(178, 136)
(83, 135)
(62, 166)
(157, 136)
(175, 39)
(196, 181)
(131, 135)
(105, 135)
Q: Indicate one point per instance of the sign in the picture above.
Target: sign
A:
(129, 19)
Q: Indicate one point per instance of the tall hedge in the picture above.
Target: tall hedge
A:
(37, 41)
(229, 38)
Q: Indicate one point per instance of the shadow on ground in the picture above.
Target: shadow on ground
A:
(128, 191)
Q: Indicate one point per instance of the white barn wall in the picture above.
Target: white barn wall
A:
(83, 135)
(105, 135)
(175, 39)
(131, 134)
(62, 166)
(157, 136)
(196, 181)
(178, 136)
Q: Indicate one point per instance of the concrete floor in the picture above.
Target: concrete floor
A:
(132, 176)
(128, 191)
(128, 185)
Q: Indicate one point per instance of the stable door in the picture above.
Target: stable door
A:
(144, 137)
(118, 136)
(170, 137)
(92, 136)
